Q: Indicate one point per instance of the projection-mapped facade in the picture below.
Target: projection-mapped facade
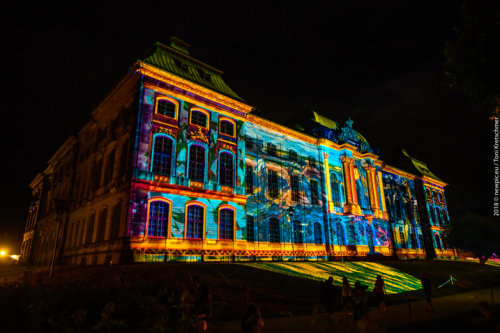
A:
(174, 166)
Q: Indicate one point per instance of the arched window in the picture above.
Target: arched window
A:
(166, 108)
(199, 118)
(162, 155)
(250, 229)
(274, 230)
(226, 224)
(197, 163)
(227, 127)
(428, 192)
(297, 232)
(438, 241)
(402, 239)
(440, 196)
(159, 212)
(436, 200)
(226, 169)
(318, 237)
(195, 217)
(101, 231)
(439, 217)
(335, 185)
(115, 223)
(90, 229)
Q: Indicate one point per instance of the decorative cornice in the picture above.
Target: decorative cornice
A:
(398, 172)
(166, 77)
(348, 160)
(279, 128)
(433, 181)
(369, 168)
(166, 131)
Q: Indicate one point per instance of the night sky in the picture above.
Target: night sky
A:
(378, 62)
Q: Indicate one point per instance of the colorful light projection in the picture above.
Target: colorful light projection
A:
(364, 272)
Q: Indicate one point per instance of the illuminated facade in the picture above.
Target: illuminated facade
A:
(174, 166)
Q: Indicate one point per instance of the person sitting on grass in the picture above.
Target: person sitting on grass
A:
(427, 285)
(252, 321)
(360, 299)
(379, 290)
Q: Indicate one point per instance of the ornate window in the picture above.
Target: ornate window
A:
(271, 149)
(249, 179)
(226, 169)
(339, 229)
(115, 223)
(293, 156)
(297, 232)
(194, 225)
(199, 118)
(272, 183)
(102, 225)
(90, 229)
(318, 237)
(166, 108)
(197, 163)
(226, 223)
(335, 186)
(295, 187)
(314, 192)
(250, 229)
(159, 212)
(274, 230)
(162, 155)
(227, 127)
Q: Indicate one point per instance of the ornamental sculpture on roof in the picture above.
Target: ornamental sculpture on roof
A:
(349, 134)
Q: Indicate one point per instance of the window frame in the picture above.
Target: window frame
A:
(318, 233)
(249, 188)
(274, 219)
(298, 235)
(253, 228)
(201, 111)
(171, 100)
(172, 157)
(219, 214)
(228, 120)
(337, 193)
(295, 188)
(219, 173)
(169, 217)
(203, 222)
(275, 193)
(204, 163)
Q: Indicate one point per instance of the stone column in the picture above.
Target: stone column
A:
(352, 205)
(330, 205)
(373, 191)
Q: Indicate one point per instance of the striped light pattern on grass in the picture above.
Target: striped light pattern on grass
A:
(364, 272)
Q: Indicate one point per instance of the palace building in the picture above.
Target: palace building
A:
(174, 166)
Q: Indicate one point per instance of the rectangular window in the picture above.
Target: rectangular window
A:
(295, 188)
(314, 193)
(226, 169)
(196, 163)
(274, 230)
(249, 143)
(271, 149)
(402, 238)
(249, 179)
(227, 128)
(272, 183)
(194, 221)
(226, 224)
(250, 229)
(199, 118)
(166, 108)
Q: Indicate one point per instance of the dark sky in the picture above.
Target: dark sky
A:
(378, 62)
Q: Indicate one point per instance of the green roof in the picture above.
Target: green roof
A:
(176, 60)
(421, 167)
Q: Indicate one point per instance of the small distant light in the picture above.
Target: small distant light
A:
(2, 253)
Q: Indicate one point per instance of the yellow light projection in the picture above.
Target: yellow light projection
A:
(364, 272)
